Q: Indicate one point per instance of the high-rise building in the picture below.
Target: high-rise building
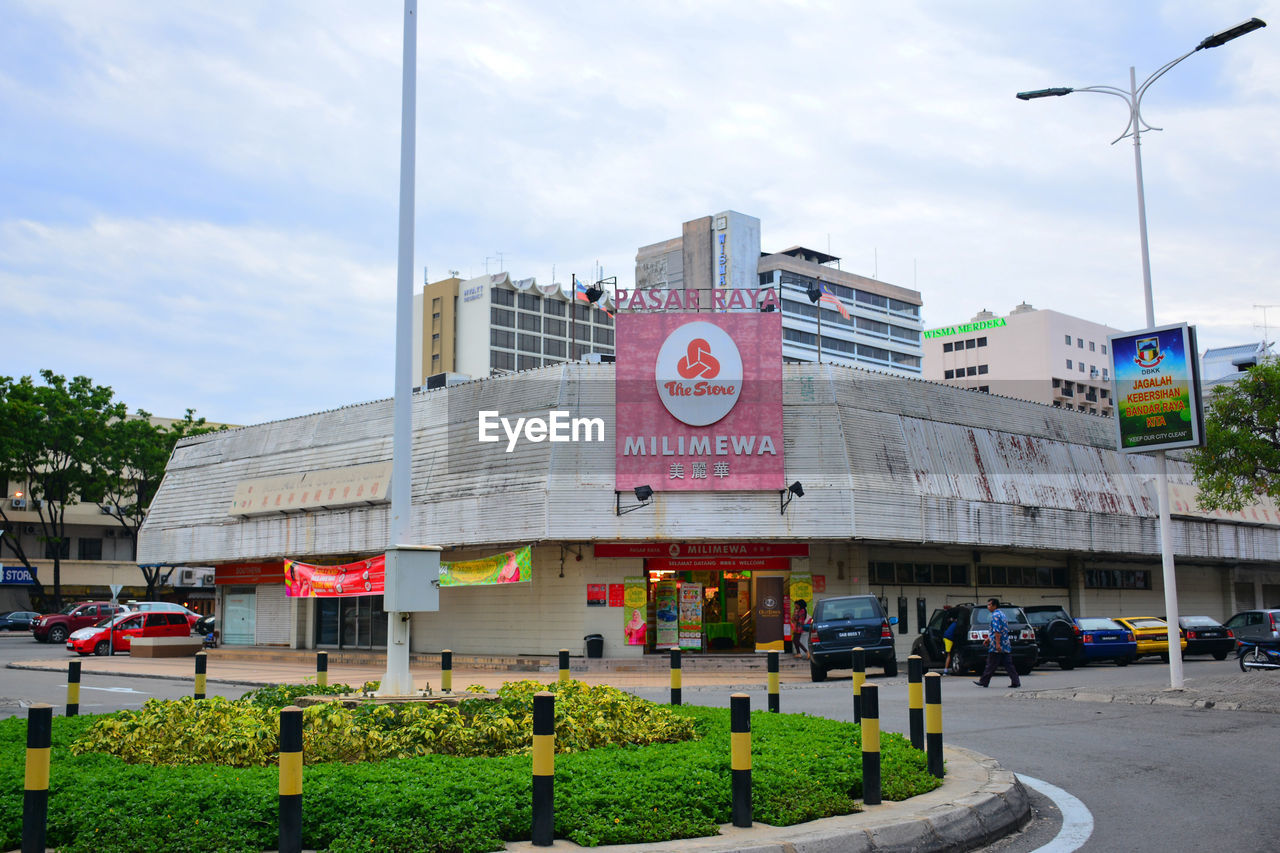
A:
(1032, 354)
(494, 324)
(879, 327)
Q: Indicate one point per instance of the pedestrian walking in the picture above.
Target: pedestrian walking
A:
(949, 639)
(999, 648)
(799, 622)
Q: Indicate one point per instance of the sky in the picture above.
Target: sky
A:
(199, 201)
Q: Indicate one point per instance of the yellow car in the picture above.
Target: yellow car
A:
(1151, 634)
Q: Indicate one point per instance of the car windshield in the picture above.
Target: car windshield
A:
(1147, 623)
(1099, 624)
(982, 616)
(68, 610)
(102, 623)
(1199, 622)
(1040, 618)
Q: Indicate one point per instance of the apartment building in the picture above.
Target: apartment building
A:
(1030, 354)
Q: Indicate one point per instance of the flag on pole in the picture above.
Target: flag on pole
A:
(828, 296)
(580, 290)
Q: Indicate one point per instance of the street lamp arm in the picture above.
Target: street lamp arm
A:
(1127, 97)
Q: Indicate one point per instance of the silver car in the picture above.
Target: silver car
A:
(1257, 626)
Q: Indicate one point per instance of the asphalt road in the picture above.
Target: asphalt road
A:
(1151, 777)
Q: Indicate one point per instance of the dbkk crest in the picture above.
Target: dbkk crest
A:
(1149, 354)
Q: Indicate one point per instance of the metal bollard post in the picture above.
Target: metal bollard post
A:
(544, 768)
(201, 662)
(446, 671)
(915, 700)
(35, 789)
(564, 666)
(933, 722)
(859, 678)
(676, 676)
(740, 757)
(290, 840)
(322, 669)
(871, 745)
(775, 701)
(73, 688)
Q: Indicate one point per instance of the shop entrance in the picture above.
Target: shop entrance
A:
(354, 622)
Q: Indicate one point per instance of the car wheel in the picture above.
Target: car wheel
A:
(102, 649)
(1219, 655)
(1122, 661)
(817, 672)
(891, 668)
(957, 668)
(1067, 664)
(57, 634)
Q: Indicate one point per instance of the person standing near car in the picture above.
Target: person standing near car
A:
(999, 647)
(799, 621)
(949, 639)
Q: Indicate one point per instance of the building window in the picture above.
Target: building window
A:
(551, 346)
(982, 369)
(1069, 365)
(89, 549)
(985, 389)
(1057, 382)
(553, 327)
(1042, 576)
(498, 296)
(864, 351)
(604, 319)
(435, 316)
(582, 312)
(1080, 366)
(1117, 579)
(502, 316)
(530, 301)
(947, 347)
(982, 342)
(971, 371)
(529, 343)
(435, 336)
(807, 338)
(528, 362)
(63, 548)
(936, 574)
(502, 360)
(950, 374)
(906, 360)
(971, 343)
(904, 308)
(602, 336)
(1080, 343)
(1068, 340)
(1103, 393)
(552, 306)
(435, 360)
(500, 338)
(530, 323)
(1091, 346)
(1104, 349)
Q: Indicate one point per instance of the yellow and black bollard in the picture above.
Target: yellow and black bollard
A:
(201, 661)
(290, 840)
(676, 676)
(933, 722)
(564, 666)
(35, 794)
(871, 745)
(740, 757)
(859, 678)
(915, 700)
(322, 669)
(73, 688)
(446, 671)
(544, 768)
(775, 702)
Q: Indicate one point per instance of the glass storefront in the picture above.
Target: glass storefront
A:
(356, 622)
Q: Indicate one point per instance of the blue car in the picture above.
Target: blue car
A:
(1105, 639)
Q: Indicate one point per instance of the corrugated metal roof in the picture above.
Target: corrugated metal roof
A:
(882, 458)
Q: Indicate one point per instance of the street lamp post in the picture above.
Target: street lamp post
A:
(1133, 98)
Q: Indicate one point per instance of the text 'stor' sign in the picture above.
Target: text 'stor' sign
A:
(1157, 389)
(699, 401)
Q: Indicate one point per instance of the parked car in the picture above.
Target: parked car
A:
(1151, 634)
(117, 633)
(205, 625)
(969, 650)
(844, 623)
(17, 620)
(1207, 636)
(56, 627)
(166, 607)
(1256, 626)
(1105, 639)
(1057, 636)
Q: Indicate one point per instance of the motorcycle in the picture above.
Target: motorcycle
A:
(1257, 656)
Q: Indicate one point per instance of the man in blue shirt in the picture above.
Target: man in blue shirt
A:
(999, 648)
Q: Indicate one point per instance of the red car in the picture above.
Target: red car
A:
(56, 627)
(116, 633)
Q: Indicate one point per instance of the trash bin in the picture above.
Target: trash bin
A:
(595, 645)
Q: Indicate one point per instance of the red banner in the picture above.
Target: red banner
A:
(248, 573)
(719, 564)
(366, 577)
(699, 550)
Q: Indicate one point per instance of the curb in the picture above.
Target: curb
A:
(123, 674)
(1174, 698)
(979, 801)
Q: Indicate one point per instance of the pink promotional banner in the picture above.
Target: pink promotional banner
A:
(699, 401)
(367, 577)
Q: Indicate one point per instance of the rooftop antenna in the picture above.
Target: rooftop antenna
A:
(1266, 330)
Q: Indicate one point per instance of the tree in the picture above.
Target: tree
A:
(1240, 460)
(134, 458)
(52, 439)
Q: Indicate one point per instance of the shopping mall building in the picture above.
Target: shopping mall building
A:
(656, 500)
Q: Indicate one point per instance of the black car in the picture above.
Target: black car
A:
(205, 625)
(1206, 636)
(17, 620)
(844, 623)
(969, 651)
(1057, 636)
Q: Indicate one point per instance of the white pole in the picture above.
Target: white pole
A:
(1162, 465)
(398, 681)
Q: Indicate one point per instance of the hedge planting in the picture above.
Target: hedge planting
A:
(803, 768)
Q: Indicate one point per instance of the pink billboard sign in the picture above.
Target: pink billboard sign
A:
(699, 402)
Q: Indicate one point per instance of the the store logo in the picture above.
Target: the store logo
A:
(1149, 354)
(699, 373)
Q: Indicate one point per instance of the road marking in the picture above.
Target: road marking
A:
(1077, 820)
(113, 689)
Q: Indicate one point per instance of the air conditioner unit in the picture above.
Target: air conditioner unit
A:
(186, 577)
(107, 509)
(37, 503)
(18, 503)
(110, 533)
(28, 528)
(207, 580)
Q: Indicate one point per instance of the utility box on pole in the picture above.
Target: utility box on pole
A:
(412, 579)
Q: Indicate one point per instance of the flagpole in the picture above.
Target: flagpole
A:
(819, 307)
(573, 310)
